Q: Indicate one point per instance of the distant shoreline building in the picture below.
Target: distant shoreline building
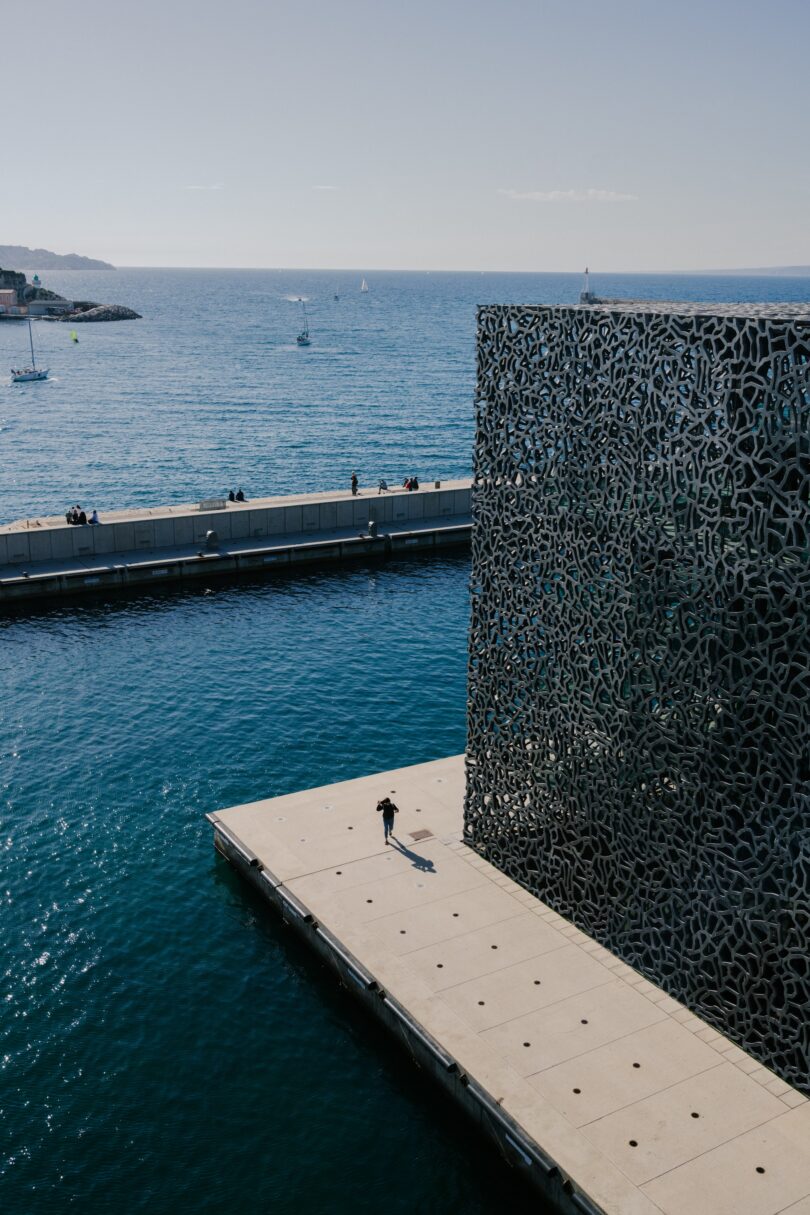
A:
(19, 298)
(12, 289)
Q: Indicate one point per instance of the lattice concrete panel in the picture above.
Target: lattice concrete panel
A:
(639, 692)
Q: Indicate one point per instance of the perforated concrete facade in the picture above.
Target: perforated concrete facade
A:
(639, 677)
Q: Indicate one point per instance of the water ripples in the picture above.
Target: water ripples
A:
(163, 1045)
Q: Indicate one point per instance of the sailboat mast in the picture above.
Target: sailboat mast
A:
(31, 340)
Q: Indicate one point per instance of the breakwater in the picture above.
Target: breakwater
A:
(47, 558)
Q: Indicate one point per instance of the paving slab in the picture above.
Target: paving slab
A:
(635, 1104)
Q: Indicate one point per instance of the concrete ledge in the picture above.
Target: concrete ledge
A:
(164, 526)
(607, 1094)
(135, 570)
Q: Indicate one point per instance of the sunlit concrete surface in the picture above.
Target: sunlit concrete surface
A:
(639, 1105)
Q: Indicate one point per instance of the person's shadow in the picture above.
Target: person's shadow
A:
(422, 863)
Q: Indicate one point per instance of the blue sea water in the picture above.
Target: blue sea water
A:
(209, 390)
(164, 1044)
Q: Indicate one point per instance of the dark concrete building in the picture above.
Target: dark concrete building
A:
(639, 685)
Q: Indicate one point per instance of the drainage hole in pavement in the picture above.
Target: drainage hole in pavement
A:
(633, 1142)
(694, 1115)
(402, 932)
(760, 1169)
(576, 1090)
(636, 1065)
(493, 946)
(481, 1002)
(369, 900)
(527, 1043)
(537, 982)
(584, 1021)
(440, 965)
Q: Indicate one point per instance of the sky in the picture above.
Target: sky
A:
(631, 135)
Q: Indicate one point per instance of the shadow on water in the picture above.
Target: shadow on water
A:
(489, 1173)
(163, 1053)
(222, 589)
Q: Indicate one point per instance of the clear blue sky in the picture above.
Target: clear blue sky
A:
(424, 134)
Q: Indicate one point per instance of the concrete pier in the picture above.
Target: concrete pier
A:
(45, 558)
(609, 1095)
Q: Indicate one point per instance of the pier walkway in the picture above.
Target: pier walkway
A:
(611, 1096)
(46, 558)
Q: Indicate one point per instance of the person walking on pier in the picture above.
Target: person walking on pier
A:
(388, 810)
(354, 484)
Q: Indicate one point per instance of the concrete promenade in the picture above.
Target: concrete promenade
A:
(46, 558)
(609, 1095)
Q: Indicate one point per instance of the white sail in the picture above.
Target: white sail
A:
(303, 338)
(364, 285)
(25, 375)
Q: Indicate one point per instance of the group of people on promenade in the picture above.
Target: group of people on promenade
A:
(382, 485)
(76, 517)
(75, 514)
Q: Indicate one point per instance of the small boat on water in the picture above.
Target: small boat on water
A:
(364, 285)
(303, 338)
(26, 375)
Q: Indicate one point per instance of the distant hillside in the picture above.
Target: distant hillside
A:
(19, 257)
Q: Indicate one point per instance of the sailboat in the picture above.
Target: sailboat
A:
(303, 338)
(364, 285)
(24, 375)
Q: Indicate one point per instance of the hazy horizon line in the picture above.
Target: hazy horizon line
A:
(797, 269)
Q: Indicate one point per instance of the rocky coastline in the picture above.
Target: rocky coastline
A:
(19, 298)
(87, 311)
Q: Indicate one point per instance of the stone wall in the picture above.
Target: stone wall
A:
(639, 683)
(234, 524)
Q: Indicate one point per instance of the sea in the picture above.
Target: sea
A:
(165, 1044)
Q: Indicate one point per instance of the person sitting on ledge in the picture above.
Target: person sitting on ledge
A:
(82, 518)
(74, 514)
(94, 519)
(414, 482)
(240, 495)
(231, 496)
(383, 486)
